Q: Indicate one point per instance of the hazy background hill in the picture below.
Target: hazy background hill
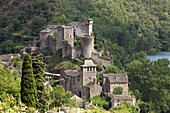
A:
(129, 26)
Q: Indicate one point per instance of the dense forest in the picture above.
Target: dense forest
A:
(129, 26)
(129, 29)
(132, 25)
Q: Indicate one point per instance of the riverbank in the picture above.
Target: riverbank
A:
(159, 55)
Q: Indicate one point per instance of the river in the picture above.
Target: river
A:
(159, 55)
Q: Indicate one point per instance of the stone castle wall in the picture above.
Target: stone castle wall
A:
(59, 37)
(66, 49)
(44, 40)
(68, 36)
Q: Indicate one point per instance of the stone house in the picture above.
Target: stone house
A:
(111, 81)
(118, 99)
(5, 58)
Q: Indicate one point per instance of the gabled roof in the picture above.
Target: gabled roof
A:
(6, 57)
(88, 63)
(46, 30)
(77, 98)
(65, 26)
(116, 78)
(72, 73)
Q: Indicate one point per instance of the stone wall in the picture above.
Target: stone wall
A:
(75, 85)
(44, 39)
(123, 85)
(66, 49)
(68, 36)
(52, 43)
(106, 85)
(95, 90)
(59, 37)
(116, 102)
(76, 52)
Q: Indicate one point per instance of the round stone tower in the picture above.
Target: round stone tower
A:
(87, 45)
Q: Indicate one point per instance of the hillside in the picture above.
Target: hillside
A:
(129, 26)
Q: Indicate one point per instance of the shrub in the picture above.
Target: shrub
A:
(118, 90)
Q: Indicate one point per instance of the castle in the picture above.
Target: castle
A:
(76, 39)
(64, 37)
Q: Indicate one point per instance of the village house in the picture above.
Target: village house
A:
(111, 81)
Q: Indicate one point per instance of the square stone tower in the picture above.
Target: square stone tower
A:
(44, 38)
(89, 24)
(88, 72)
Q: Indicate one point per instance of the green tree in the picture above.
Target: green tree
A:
(144, 107)
(112, 69)
(9, 83)
(60, 97)
(126, 108)
(104, 102)
(118, 90)
(16, 61)
(28, 84)
(7, 46)
(151, 81)
(38, 71)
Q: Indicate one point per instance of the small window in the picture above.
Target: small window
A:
(70, 36)
(74, 32)
(90, 69)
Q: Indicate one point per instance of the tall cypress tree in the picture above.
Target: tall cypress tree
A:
(38, 71)
(28, 84)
